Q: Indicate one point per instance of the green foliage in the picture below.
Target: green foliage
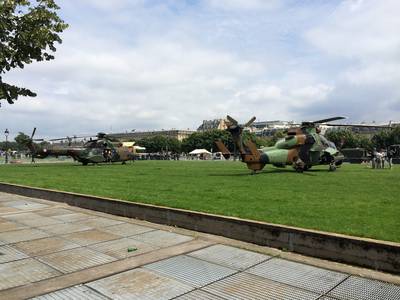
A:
(385, 138)
(206, 140)
(22, 141)
(271, 141)
(160, 143)
(8, 146)
(28, 32)
(345, 138)
(354, 200)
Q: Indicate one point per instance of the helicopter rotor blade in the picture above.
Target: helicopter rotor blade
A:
(232, 120)
(360, 125)
(33, 132)
(329, 120)
(249, 122)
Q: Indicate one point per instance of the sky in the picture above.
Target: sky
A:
(162, 64)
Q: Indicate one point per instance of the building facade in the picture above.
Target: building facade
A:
(137, 135)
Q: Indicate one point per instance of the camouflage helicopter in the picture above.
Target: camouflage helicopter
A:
(303, 147)
(102, 149)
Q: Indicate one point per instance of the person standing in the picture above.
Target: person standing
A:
(389, 155)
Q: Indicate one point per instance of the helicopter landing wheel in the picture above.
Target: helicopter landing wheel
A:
(299, 166)
(332, 167)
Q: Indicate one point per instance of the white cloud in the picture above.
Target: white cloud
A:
(245, 4)
(125, 65)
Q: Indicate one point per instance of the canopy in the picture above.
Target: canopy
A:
(200, 151)
(128, 144)
(139, 148)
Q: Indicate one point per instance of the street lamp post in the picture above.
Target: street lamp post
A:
(6, 133)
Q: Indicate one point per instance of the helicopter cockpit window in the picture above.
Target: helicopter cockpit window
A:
(326, 142)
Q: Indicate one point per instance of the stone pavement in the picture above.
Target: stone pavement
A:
(50, 250)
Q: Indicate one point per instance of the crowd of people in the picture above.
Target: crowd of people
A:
(381, 158)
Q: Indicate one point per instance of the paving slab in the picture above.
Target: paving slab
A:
(6, 210)
(24, 271)
(123, 248)
(65, 228)
(127, 229)
(100, 222)
(161, 238)
(74, 217)
(77, 292)
(9, 253)
(140, 284)
(22, 235)
(55, 251)
(32, 219)
(45, 246)
(231, 257)
(75, 259)
(10, 226)
(56, 211)
(24, 205)
(89, 237)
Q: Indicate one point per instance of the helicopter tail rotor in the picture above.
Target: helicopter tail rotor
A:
(247, 149)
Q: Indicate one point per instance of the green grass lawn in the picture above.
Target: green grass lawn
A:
(354, 200)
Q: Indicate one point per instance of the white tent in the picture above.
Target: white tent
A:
(139, 148)
(200, 151)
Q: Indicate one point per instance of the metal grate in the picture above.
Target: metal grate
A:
(162, 238)
(140, 284)
(75, 259)
(24, 271)
(246, 286)
(190, 270)
(298, 275)
(80, 292)
(230, 257)
(199, 295)
(361, 288)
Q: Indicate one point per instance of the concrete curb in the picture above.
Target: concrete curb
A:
(373, 254)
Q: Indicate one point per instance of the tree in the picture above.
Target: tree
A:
(385, 138)
(343, 138)
(206, 140)
(28, 32)
(160, 143)
(22, 141)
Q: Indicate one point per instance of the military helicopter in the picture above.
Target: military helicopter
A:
(303, 147)
(102, 149)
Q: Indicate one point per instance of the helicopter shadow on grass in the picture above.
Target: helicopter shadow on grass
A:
(268, 172)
